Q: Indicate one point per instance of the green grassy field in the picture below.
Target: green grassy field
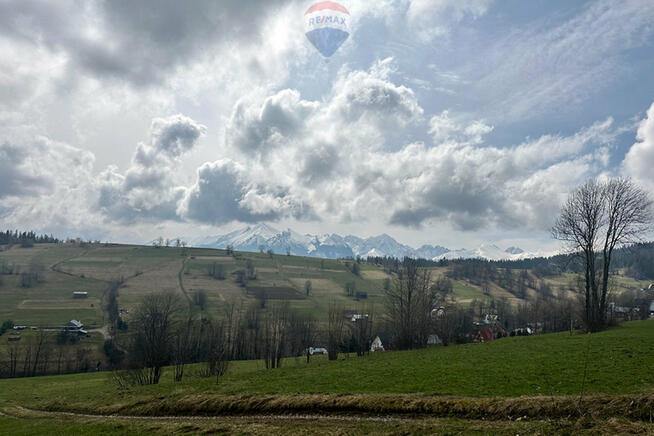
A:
(619, 362)
(537, 374)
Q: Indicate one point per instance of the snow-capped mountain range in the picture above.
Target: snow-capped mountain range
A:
(332, 246)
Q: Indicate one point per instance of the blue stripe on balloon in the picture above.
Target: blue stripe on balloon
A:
(327, 40)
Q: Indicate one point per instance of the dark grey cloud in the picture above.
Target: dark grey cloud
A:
(48, 183)
(137, 41)
(280, 118)
(468, 204)
(175, 135)
(319, 163)
(170, 138)
(224, 192)
(129, 201)
(217, 194)
(377, 99)
(15, 180)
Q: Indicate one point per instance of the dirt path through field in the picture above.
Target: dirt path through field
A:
(180, 279)
(54, 267)
(104, 331)
(24, 412)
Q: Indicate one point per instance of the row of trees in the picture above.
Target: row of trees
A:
(44, 353)
(635, 259)
(25, 239)
(160, 242)
(28, 277)
(164, 331)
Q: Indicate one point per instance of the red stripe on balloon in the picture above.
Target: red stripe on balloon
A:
(326, 5)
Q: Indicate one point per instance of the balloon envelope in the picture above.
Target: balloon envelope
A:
(327, 26)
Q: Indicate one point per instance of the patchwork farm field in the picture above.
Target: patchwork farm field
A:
(65, 268)
(474, 388)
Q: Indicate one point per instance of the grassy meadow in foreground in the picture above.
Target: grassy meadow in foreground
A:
(619, 362)
(540, 376)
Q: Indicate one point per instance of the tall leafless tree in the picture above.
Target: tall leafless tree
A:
(409, 303)
(216, 349)
(361, 330)
(597, 218)
(40, 344)
(335, 322)
(13, 353)
(275, 332)
(152, 341)
(185, 339)
(301, 334)
(307, 333)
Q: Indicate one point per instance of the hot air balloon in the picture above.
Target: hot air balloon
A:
(327, 26)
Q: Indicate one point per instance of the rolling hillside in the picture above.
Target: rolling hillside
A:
(66, 267)
(450, 388)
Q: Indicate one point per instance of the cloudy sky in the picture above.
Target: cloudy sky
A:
(448, 122)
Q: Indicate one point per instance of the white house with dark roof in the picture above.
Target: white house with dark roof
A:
(377, 345)
(74, 326)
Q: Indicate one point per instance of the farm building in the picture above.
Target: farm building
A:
(438, 312)
(624, 313)
(318, 350)
(74, 326)
(489, 329)
(80, 294)
(523, 331)
(489, 319)
(490, 333)
(377, 345)
(434, 340)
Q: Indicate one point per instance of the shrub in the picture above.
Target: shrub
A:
(6, 325)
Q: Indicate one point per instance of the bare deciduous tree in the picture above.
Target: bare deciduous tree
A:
(276, 322)
(152, 338)
(335, 322)
(307, 334)
(185, 341)
(361, 330)
(597, 218)
(216, 349)
(200, 299)
(409, 303)
(13, 353)
(301, 334)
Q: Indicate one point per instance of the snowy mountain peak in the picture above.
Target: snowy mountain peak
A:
(263, 236)
(262, 229)
(514, 250)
